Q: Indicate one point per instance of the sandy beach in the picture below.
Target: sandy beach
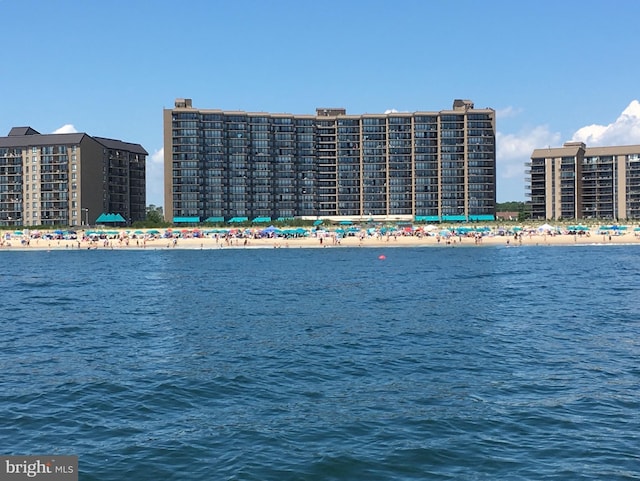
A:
(123, 239)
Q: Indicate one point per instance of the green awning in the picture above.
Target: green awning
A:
(238, 220)
(427, 218)
(214, 219)
(454, 217)
(261, 219)
(317, 222)
(346, 222)
(186, 220)
(107, 218)
(484, 217)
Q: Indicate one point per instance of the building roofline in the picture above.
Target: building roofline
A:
(185, 105)
(572, 148)
(121, 145)
(33, 139)
(41, 139)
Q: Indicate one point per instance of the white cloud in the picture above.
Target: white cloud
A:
(391, 111)
(624, 131)
(512, 151)
(507, 112)
(66, 129)
(155, 178)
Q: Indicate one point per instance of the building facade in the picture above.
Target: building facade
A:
(222, 165)
(69, 179)
(579, 182)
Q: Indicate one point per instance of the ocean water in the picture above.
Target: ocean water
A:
(468, 363)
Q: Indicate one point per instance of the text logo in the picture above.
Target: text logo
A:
(46, 468)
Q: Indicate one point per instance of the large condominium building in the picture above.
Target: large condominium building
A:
(579, 182)
(69, 179)
(224, 165)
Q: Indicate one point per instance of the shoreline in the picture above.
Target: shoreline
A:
(122, 242)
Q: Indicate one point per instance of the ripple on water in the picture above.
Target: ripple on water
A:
(325, 364)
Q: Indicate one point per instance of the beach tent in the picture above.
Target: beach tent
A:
(546, 227)
(271, 230)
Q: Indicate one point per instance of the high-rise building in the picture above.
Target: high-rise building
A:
(579, 182)
(69, 179)
(222, 165)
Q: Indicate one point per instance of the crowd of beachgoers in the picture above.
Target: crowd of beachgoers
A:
(318, 236)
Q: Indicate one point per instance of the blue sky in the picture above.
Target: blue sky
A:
(553, 70)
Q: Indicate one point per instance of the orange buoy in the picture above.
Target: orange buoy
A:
(382, 257)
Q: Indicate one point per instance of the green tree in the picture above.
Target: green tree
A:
(522, 208)
(513, 206)
(155, 218)
(155, 214)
